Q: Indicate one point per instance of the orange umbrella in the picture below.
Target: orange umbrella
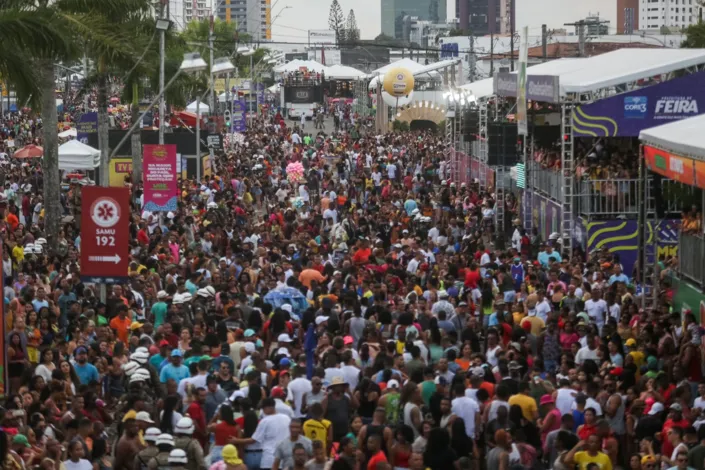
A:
(29, 151)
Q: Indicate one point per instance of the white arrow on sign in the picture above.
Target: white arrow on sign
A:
(105, 259)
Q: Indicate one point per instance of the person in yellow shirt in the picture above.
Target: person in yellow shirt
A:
(317, 428)
(591, 455)
(526, 402)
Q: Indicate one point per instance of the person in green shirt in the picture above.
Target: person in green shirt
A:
(159, 309)
(307, 140)
(428, 386)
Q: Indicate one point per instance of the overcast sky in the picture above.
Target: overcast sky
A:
(303, 15)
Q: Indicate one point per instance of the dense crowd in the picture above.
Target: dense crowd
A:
(336, 301)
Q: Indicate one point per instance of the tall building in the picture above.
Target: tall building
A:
(627, 16)
(482, 17)
(672, 14)
(394, 11)
(253, 17)
(196, 10)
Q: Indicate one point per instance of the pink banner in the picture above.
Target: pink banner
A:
(160, 178)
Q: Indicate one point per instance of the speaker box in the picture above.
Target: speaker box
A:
(502, 144)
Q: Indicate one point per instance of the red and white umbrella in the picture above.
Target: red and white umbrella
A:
(29, 151)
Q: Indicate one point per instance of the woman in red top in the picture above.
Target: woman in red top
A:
(224, 428)
(589, 428)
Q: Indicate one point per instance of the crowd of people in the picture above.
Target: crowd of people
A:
(364, 313)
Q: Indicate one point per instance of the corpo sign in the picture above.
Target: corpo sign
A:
(538, 87)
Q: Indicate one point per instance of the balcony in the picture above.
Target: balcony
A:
(546, 181)
(691, 258)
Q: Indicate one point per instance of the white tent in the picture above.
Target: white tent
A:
(203, 108)
(73, 155)
(343, 72)
(684, 137)
(419, 71)
(296, 65)
(68, 133)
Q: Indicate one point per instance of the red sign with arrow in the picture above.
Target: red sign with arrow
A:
(105, 230)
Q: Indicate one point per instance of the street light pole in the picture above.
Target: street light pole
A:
(211, 38)
(162, 53)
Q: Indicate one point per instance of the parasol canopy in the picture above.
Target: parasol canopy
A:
(29, 151)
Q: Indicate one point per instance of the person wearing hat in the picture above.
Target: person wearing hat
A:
(178, 459)
(231, 459)
(175, 369)
(164, 444)
(184, 440)
(551, 417)
(85, 371)
(151, 451)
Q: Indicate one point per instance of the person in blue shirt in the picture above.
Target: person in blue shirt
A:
(85, 371)
(41, 300)
(618, 276)
(174, 370)
(546, 255)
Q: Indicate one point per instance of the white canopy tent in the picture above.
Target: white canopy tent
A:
(626, 65)
(343, 72)
(203, 108)
(74, 155)
(296, 65)
(68, 133)
(684, 137)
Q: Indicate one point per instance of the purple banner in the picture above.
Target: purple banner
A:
(545, 214)
(239, 116)
(260, 93)
(87, 124)
(628, 114)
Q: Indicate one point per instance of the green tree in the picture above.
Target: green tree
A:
(336, 21)
(694, 36)
(352, 32)
(457, 32)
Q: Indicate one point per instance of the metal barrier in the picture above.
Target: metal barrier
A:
(609, 197)
(691, 257)
(546, 181)
(470, 168)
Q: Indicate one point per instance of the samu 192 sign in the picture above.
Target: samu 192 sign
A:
(105, 221)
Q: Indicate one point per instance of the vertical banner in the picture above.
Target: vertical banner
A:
(87, 124)
(160, 181)
(260, 94)
(238, 122)
(522, 123)
(105, 234)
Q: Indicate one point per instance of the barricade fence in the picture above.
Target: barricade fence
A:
(691, 257)
(467, 169)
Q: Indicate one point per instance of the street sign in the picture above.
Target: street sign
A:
(215, 141)
(105, 220)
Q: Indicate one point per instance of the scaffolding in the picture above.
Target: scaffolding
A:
(568, 179)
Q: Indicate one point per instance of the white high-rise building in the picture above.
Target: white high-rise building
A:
(176, 14)
(673, 14)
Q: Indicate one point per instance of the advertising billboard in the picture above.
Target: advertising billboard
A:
(543, 88)
(160, 178)
(239, 116)
(669, 165)
(87, 124)
(322, 37)
(628, 114)
(105, 234)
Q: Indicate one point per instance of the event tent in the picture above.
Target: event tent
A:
(296, 65)
(683, 137)
(74, 155)
(68, 133)
(203, 108)
(343, 72)
(416, 69)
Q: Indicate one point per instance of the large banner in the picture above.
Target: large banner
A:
(87, 124)
(544, 88)
(669, 165)
(160, 178)
(628, 114)
(238, 121)
(521, 118)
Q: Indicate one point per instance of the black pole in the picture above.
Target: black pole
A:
(511, 26)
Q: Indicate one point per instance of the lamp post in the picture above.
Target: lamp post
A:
(162, 25)
(192, 63)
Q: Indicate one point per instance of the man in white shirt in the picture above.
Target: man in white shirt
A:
(516, 236)
(298, 387)
(587, 352)
(543, 308)
(271, 430)
(279, 395)
(295, 138)
(197, 381)
(596, 309)
(466, 408)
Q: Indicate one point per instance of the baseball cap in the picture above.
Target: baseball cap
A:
(393, 384)
(656, 408)
(144, 416)
(163, 343)
(284, 338)
(177, 353)
(630, 342)
(80, 350)
(135, 325)
(348, 340)
(21, 439)
(321, 319)
(249, 332)
(278, 392)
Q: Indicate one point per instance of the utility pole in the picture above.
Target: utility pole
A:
(86, 96)
(582, 36)
(544, 42)
(211, 38)
(471, 62)
(162, 53)
(511, 26)
(492, 53)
